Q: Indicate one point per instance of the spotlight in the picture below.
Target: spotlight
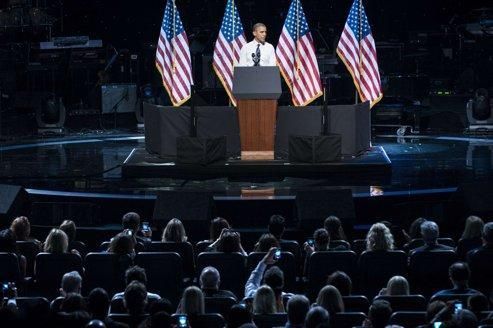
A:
(50, 115)
(480, 111)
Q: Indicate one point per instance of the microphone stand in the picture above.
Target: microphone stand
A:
(116, 105)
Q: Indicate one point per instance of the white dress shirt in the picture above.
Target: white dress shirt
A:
(267, 54)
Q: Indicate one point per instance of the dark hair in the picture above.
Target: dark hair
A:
(7, 241)
(379, 313)
(238, 315)
(135, 298)
(322, 239)
(276, 225)
(400, 238)
(73, 302)
(459, 272)
(341, 281)
(415, 228)
(433, 309)
(135, 273)
(98, 303)
(21, 228)
(266, 242)
(122, 244)
(334, 227)
(488, 232)
(298, 307)
(131, 220)
(257, 25)
(274, 278)
(466, 319)
(316, 316)
(160, 319)
(230, 242)
(217, 225)
(477, 303)
(161, 305)
(68, 226)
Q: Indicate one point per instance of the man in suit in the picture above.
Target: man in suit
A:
(430, 233)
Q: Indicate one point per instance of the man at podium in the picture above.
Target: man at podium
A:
(258, 52)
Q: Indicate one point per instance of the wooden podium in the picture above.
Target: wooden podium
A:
(257, 90)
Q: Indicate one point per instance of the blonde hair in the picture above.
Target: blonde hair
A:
(264, 301)
(192, 301)
(397, 285)
(473, 228)
(379, 238)
(174, 232)
(56, 242)
(330, 299)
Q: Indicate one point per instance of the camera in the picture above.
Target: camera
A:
(277, 254)
(182, 321)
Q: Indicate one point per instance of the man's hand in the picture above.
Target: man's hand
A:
(269, 257)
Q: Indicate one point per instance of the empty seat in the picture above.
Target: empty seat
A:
(428, 271)
(356, 303)
(164, 272)
(50, 268)
(481, 264)
(270, 320)
(405, 302)
(209, 320)
(348, 319)
(287, 263)
(106, 270)
(29, 249)
(220, 305)
(291, 246)
(231, 266)
(408, 318)
(185, 250)
(358, 246)
(9, 268)
(377, 267)
(321, 264)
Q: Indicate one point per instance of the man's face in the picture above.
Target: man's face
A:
(260, 34)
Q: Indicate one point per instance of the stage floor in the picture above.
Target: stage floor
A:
(371, 167)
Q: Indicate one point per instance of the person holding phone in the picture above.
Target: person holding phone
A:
(131, 221)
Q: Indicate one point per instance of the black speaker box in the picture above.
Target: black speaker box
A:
(13, 201)
(203, 151)
(54, 213)
(194, 209)
(314, 149)
(314, 206)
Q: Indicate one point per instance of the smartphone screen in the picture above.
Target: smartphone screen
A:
(457, 307)
(437, 324)
(310, 242)
(277, 254)
(145, 226)
(182, 321)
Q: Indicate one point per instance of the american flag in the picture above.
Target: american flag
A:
(227, 49)
(296, 57)
(173, 56)
(357, 50)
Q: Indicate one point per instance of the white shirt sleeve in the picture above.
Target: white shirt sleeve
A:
(243, 56)
(272, 59)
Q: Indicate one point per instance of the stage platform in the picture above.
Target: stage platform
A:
(373, 166)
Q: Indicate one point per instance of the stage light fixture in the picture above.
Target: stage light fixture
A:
(480, 111)
(50, 115)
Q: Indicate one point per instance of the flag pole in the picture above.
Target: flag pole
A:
(360, 34)
(232, 45)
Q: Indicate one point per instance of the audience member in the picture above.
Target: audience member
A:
(135, 298)
(136, 273)
(21, 227)
(478, 303)
(264, 301)
(174, 232)
(57, 243)
(430, 233)
(192, 301)
(379, 238)
(266, 242)
(229, 241)
(131, 221)
(415, 228)
(277, 226)
(8, 245)
(98, 303)
(466, 319)
(397, 286)
(471, 236)
(122, 244)
(433, 309)
(216, 227)
(341, 281)
(298, 307)
(238, 315)
(273, 277)
(378, 314)
(334, 227)
(210, 280)
(330, 299)
(459, 276)
(316, 317)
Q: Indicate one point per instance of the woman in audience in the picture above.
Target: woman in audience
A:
(415, 228)
(174, 232)
(216, 227)
(330, 299)
(397, 286)
(379, 238)
(266, 242)
(238, 315)
(21, 227)
(471, 236)
(228, 242)
(264, 301)
(122, 244)
(401, 238)
(334, 227)
(192, 302)
(478, 303)
(342, 282)
(7, 245)
(56, 242)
